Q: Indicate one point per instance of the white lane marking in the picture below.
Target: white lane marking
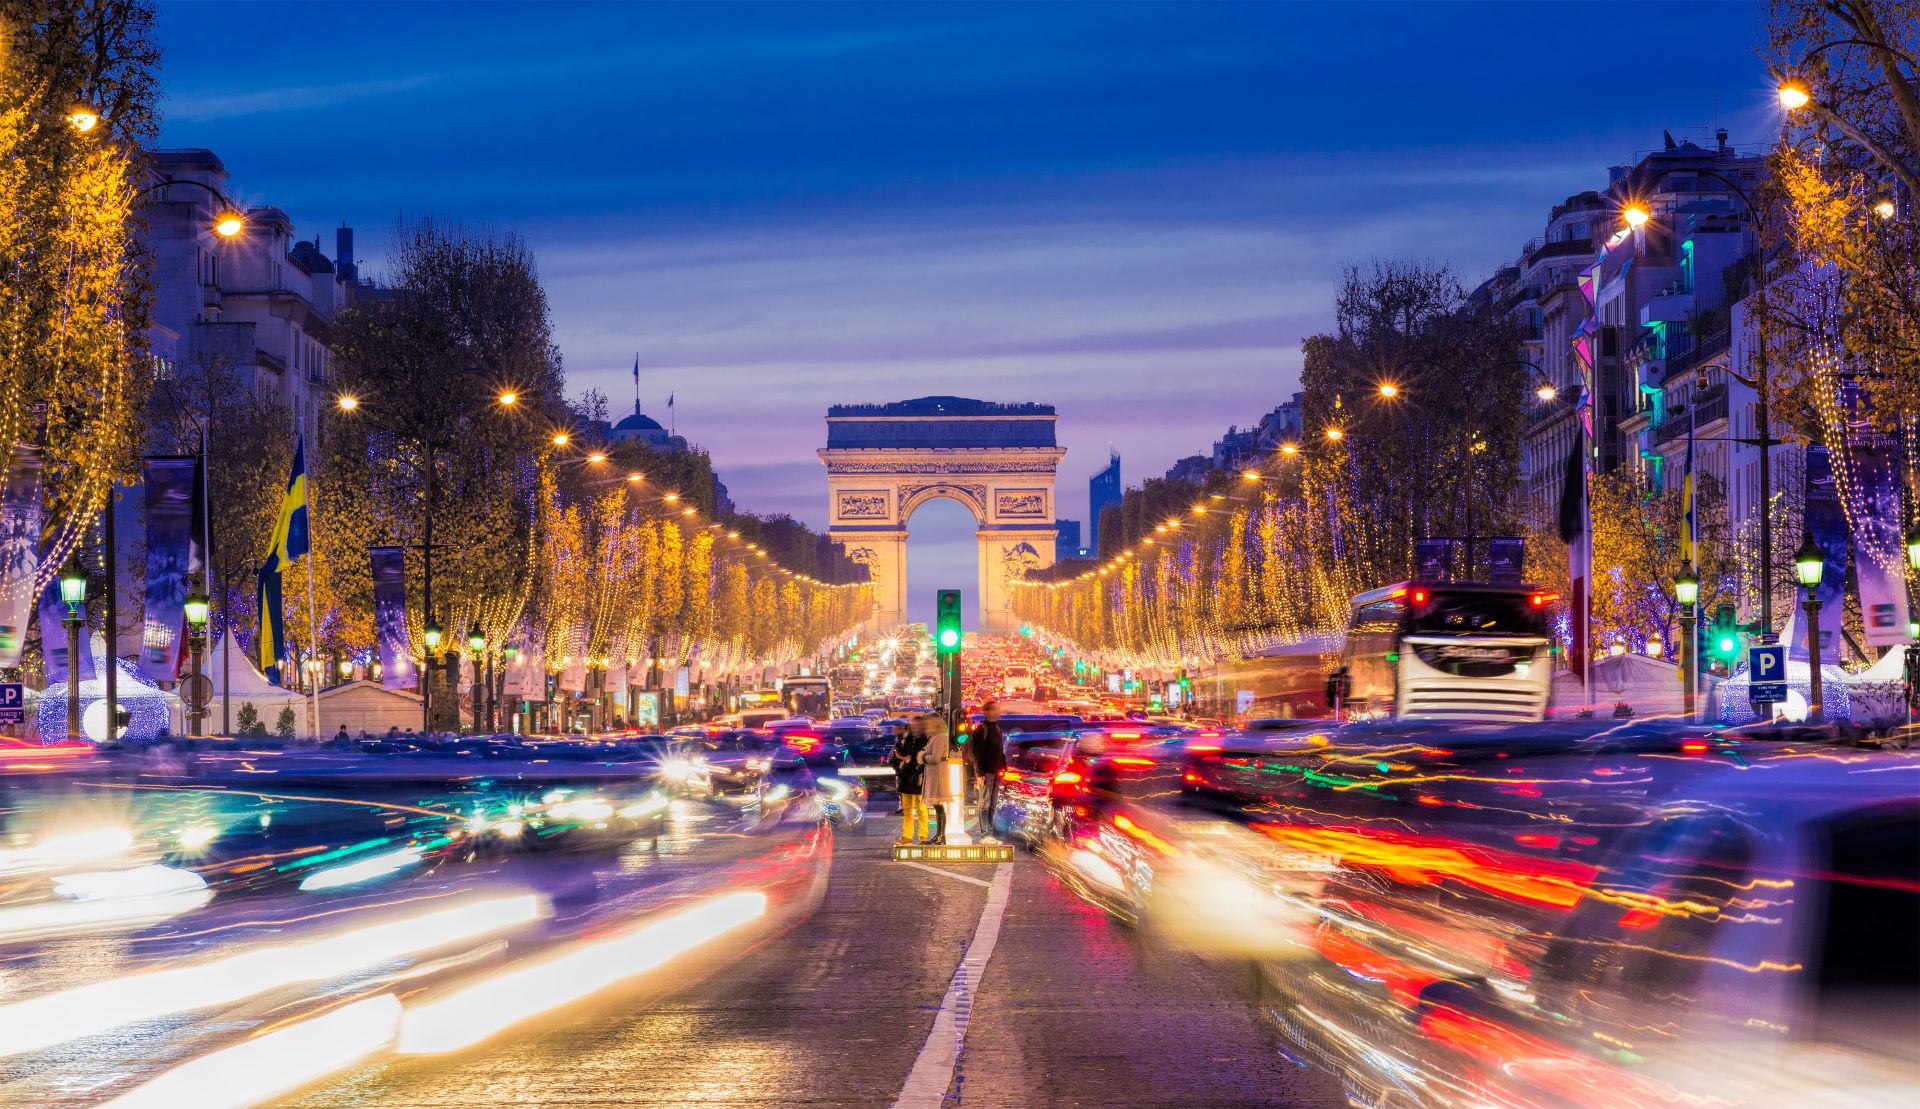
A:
(933, 1071)
(951, 874)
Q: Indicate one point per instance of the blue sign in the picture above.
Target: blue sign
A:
(13, 703)
(1767, 673)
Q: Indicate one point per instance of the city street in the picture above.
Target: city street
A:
(583, 555)
(840, 1010)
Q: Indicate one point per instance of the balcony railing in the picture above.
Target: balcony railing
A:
(1705, 411)
(1705, 348)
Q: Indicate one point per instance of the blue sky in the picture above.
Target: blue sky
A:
(1133, 212)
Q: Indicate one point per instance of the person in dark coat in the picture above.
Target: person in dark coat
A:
(909, 742)
(987, 752)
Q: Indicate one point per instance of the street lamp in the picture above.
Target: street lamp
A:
(73, 592)
(1809, 563)
(1389, 390)
(478, 643)
(509, 398)
(348, 402)
(1635, 216)
(229, 223)
(83, 118)
(1686, 590)
(1913, 547)
(1794, 96)
(1335, 434)
(197, 606)
(1546, 392)
(432, 637)
(1884, 207)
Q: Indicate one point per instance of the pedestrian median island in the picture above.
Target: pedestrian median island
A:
(955, 852)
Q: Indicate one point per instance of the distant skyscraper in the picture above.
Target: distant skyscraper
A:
(1066, 542)
(1102, 491)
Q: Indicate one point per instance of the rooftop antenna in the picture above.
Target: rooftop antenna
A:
(636, 383)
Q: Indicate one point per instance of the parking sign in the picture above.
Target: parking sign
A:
(1767, 673)
(13, 703)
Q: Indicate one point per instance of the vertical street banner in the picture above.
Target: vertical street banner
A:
(1579, 540)
(53, 636)
(573, 676)
(526, 676)
(617, 675)
(1433, 559)
(1505, 557)
(171, 484)
(1879, 548)
(390, 617)
(1827, 522)
(19, 550)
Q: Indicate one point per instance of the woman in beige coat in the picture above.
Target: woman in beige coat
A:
(936, 788)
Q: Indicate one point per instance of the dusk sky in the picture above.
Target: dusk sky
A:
(1132, 212)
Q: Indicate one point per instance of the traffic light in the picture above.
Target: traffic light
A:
(1027, 630)
(946, 624)
(1724, 639)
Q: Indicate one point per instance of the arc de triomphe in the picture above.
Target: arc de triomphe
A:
(886, 460)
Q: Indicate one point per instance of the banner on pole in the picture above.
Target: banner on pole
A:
(19, 550)
(1505, 556)
(390, 617)
(1826, 522)
(170, 486)
(526, 676)
(573, 676)
(1433, 559)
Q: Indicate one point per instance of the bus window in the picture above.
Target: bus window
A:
(1453, 612)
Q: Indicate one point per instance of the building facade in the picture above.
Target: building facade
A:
(1103, 492)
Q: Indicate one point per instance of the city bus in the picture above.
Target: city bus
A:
(1468, 651)
(809, 695)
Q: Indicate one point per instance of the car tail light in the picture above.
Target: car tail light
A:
(1126, 735)
(1129, 761)
(1190, 776)
(1203, 748)
(1068, 778)
(1009, 775)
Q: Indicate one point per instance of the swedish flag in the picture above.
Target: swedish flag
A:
(291, 542)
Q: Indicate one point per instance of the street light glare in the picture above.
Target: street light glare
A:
(1289, 448)
(1336, 434)
(1884, 207)
(1635, 215)
(597, 457)
(561, 439)
(82, 118)
(636, 477)
(1546, 392)
(348, 402)
(229, 223)
(1389, 390)
(509, 398)
(1793, 97)
(1251, 475)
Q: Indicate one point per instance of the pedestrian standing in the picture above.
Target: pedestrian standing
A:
(936, 788)
(987, 753)
(908, 742)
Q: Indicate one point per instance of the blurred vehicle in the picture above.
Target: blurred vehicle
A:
(1714, 924)
(868, 748)
(809, 695)
(1027, 792)
(1445, 651)
(1017, 681)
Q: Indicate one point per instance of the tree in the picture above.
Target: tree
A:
(74, 292)
(283, 724)
(247, 721)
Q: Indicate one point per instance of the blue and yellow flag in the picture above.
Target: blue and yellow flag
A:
(290, 543)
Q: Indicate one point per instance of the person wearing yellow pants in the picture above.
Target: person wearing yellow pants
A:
(915, 825)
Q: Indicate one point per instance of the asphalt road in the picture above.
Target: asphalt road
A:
(840, 1008)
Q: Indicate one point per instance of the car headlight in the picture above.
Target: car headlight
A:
(676, 770)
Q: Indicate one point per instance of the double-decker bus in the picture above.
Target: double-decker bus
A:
(1467, 651)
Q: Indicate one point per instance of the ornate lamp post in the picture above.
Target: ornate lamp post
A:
(197, 606)
(1686, 590)
(432, 638)
(478, 643)
(512, 655)
(1809, 563)
(73, 591)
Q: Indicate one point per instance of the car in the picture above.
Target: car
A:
(1732, 919)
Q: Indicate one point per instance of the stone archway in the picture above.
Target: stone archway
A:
(998, 460)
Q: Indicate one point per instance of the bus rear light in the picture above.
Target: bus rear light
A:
(1541, 600)
(1419, 596)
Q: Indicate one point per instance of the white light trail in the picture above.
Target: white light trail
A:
(55, 1018)
(468, 1016)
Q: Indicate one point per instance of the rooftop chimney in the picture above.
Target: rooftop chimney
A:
(343, 252)
(1721, 135)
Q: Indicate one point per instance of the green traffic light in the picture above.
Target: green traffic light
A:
(949, 637)
(1726, 644)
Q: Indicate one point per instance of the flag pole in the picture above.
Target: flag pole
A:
(313, 625)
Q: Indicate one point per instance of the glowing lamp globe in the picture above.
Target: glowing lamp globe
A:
(1686, 588)
(196, 607)
(1809, 562)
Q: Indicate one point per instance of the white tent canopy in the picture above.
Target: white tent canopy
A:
(1649, 686)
